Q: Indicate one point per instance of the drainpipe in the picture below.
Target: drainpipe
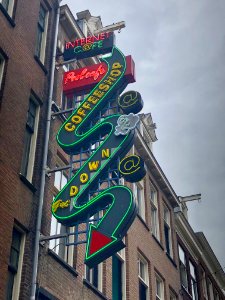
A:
(44, 165)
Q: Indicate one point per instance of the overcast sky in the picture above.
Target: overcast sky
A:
(179, 50)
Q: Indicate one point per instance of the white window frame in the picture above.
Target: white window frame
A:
(194, 288)
(17, 278)
(172, 295)
(167, 223)
(2, 69)
(41, 56)
(100, 276)
(204, 285)
(122, 256)
(145, 280)
(32, 149)
(140, 199)
(159, 280)
(183, 266)
(211, 294)
(57, 228)
(154, 212)
(10, 7)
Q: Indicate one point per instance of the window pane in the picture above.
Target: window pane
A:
(192, 270)
(181, 254)
(64, 181)
(11, 276)
(167, 238)
(38, 42)
(5, 4)
(57, 181)
(117, 283)
(2, 65)
(158, 288)
(42, 15)
(95, 276)
(142, 291)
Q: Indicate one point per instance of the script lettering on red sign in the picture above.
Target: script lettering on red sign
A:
(85, 79)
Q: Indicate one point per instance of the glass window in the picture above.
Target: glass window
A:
(41, 33)
(211, 295)
(94, 276)
(183, 267)
(172, 295)
(118, 278)
(2, 67)
(204, 286)
(8, 6)
(154, 212)
(15, 265)
(194, 290)
(159, 288)
(143, 278)
(71, 102)
(167, 231)
(217, 296)
(30, 139)
(138, 189)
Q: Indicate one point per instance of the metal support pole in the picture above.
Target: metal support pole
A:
(44, 163)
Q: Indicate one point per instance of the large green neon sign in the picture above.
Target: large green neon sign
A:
(72, 205)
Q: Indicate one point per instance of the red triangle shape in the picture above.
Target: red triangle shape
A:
(98, 241)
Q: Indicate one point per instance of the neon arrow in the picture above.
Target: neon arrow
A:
(106, 238)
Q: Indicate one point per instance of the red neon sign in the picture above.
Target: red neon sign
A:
(89, 39)
(85, 79)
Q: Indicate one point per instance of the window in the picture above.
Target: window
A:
(183, 268)
(139, 197)
(167, 231)
(68, 102)
(172, 295)
(211, 295)
(41, 34)
(118, 276)
(15, 264)
(159, 288)
(2, 68)
(154, 212)
(217, 296)
(30, 139)
(194, 290)
(143, 278)
(94, 276)
(204, 286)
(8, 6)
(58, 245)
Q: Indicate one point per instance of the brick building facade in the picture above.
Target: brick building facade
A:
(152, 265)
(26, 36)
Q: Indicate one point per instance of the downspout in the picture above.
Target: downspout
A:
(44, 165)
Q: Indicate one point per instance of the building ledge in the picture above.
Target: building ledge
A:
(41, 64)
(63, 263)
(143, 222)
(43, 292)
(171, 260)
(158, 242)
(27, 183)
(94, 289)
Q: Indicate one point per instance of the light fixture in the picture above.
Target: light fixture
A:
(110, 28)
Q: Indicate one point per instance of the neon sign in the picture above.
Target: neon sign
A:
(73, 205)
(85, 79)
(89, 46)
